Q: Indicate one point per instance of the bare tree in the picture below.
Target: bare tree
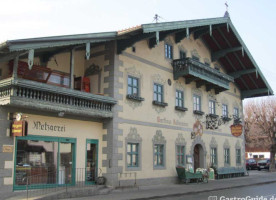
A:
(260, 125)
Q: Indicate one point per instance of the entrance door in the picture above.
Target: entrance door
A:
(196, 157)
(91, 161)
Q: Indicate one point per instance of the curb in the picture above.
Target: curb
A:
(202, 191)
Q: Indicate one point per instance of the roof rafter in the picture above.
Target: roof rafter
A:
(218, 54)
(238, 74)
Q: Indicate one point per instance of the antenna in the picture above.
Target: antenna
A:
(156, 18)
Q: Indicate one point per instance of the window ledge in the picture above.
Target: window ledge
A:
(138, 168)
(159, 167)
(135, 98)
(226, 119)
(198, 112)
(181, 108)
(157, 103)
(213, 115)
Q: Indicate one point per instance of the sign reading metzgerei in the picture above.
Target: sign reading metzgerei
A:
(44, 126)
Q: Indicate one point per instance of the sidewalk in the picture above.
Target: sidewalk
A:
(147, 192)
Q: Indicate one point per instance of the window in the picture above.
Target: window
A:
(158, 92)
(180, 155)
(179, 98)
(212, 107)
(197, 102)
(238, 156)
(224, 110)
(261, 156)
(132, 154)
(182, 54)
(158, 155)
(168, 51)
(227, 156)
(195, 58)
(236, 112)
(133, 86)
(207, 64)
(214, 156)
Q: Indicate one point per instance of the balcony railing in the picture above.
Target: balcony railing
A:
(194, 70)
(40, 96)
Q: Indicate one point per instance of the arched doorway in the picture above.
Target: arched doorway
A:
(198, 157)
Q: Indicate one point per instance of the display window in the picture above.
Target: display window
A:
(41, 161)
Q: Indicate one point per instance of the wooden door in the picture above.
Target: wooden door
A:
(196, 157)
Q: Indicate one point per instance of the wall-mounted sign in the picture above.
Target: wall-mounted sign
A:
(44, 126)
(7, 148)
(198, 128)
(236, 130)
(19, 128)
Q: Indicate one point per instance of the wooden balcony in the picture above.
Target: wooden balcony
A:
(193, 70)
(38, 96)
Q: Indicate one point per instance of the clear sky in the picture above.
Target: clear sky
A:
(255, 20)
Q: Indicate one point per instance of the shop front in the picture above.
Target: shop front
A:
(56, 154)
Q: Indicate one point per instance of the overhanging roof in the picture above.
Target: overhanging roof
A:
(218, 34)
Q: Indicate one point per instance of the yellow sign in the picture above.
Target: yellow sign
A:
(18, 128)
(236, 130)
(7, 149)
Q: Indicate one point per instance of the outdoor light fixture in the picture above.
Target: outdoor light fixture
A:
(61, 114)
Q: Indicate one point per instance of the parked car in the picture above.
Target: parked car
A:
(251, 164)
(263, 164)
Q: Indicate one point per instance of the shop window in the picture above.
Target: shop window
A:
(44, 161)
(180, 155)
(238, 156)
(214, 156)
(168, 51)
(212, 107)
(132, 154)
(227, 156)
(158, 155)
(255, 156)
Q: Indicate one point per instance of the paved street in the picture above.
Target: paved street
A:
(263, 191)
(258, 183)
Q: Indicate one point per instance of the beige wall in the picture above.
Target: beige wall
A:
(146, 66)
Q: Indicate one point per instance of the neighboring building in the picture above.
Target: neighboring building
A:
(149, 99)
(257, 153)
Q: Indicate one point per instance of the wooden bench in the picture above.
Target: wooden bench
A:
(185, 176)
(230, 172)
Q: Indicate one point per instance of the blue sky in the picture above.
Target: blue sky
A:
(255, 20)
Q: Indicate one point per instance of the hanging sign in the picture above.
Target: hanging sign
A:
(19, 126)
(236, 130)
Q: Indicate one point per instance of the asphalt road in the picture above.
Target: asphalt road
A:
(261, 192)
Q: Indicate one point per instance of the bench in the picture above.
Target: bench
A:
(185, 176)
(230, 172)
